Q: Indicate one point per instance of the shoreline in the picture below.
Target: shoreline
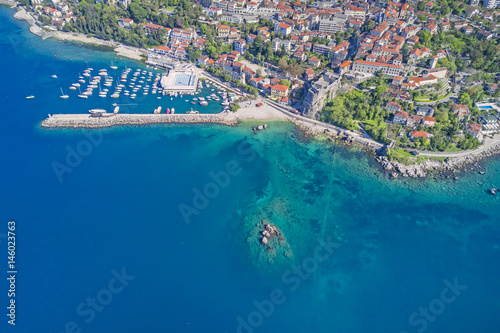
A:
(119, 49)
(280, 112)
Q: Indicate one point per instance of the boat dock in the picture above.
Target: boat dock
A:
(89, 121)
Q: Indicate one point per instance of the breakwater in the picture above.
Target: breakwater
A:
(89, 121)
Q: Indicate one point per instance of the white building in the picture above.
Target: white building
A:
(279, 44)
(333, 25)
(368, 67)
(491, 3)
(239, 46)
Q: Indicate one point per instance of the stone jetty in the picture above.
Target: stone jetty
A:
(89, 121)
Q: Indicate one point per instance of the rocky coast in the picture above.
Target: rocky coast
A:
(446, 168)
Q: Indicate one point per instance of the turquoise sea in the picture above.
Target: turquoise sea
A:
(157, 228)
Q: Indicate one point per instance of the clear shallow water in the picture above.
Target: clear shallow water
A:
(396, 241)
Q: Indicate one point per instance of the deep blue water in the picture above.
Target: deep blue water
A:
(116, 207)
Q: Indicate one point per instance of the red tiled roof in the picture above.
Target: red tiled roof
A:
(280, 87)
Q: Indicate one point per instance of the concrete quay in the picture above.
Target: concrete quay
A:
(108, 120)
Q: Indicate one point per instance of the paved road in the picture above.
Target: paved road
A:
(488, 143)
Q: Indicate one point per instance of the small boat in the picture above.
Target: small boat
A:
(83, 96)
(204, 103)
(173, 110)
(97, 111)
(62, 95)
(113, 66)
(72, 88)
(193, 102)
(192, 112)
(54, 76)
(76, 84)
(30, 97)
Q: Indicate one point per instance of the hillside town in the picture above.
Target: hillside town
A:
(414, 74)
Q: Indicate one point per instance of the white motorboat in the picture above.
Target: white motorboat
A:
(97, 111)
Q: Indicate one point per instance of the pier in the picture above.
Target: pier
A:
(89, 121)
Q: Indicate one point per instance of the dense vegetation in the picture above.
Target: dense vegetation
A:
(228, 78)
(367, 110)
(102, 20)
(356, 106)
(480, 54)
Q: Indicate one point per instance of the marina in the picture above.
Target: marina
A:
(139, 87)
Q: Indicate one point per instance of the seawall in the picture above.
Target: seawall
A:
(88, 121)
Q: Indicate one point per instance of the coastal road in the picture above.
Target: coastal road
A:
(488, 143)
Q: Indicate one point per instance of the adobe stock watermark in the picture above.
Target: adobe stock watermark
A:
(75, 155)
(425, 315)
(88, 309)
(93, 138)
(218, 181)
(293, 279)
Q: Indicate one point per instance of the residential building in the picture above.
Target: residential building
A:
(476, 130)
(393, 107)
(490, 4)
(279, 90)
(315, 62)
(280, 44)
(462, 111)
(283, 28)
(206, 3)
(335, 24)
(125, 23)
(321, 49)
(428, 121)
(222, 30)
(489, 123)
(417, 134)
(152, 29)
(239, 46)
(425, 111)
(203, 60)
(309, 74)
(400, 117)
